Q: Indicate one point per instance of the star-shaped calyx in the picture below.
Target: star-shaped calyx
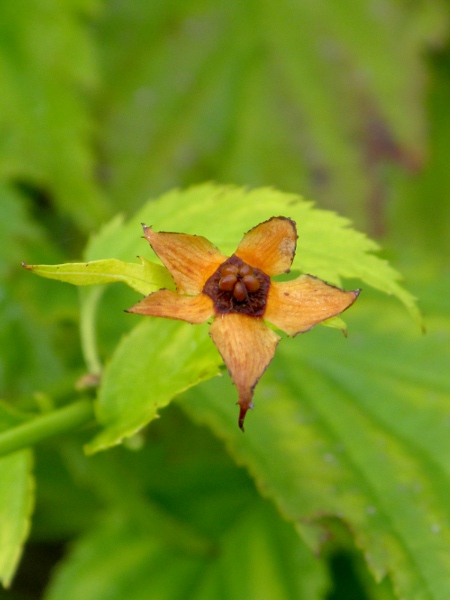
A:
(238, 294)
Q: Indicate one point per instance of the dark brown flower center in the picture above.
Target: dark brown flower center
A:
(239, 288)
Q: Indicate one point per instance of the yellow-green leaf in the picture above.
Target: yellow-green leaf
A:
(16, 500)
(144, 278)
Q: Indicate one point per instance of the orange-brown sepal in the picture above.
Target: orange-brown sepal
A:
(247, 346)
(296, 306)
(165, 303)
(270, 246)
(190, 259)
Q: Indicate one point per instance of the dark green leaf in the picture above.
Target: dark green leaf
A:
(44, 118)
(180, 509)
(305, 96)
(357, 429)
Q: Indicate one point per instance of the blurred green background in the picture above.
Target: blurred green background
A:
(106, 104)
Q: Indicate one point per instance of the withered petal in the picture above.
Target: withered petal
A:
(247, 346)
(165, 303)
(296, 306)
(191, 259)
(270, 246)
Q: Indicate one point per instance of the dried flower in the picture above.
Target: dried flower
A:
(240, 296)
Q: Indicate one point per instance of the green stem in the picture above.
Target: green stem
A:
(89, 305)
(45, 426)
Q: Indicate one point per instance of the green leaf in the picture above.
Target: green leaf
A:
(33, 320)
(47, 72)
(29, 353)
(179, 510)
(16, 228)
(156, 361)
(144, 278)
(327, 247)
(16, 500)
(357, 429)
(258, 103)
(122, 560)
(336, 323)
(423, 211)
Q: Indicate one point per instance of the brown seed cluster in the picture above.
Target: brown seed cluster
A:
(239, 280)
(238, 287)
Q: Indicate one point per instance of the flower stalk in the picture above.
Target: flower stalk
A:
(45, 426)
